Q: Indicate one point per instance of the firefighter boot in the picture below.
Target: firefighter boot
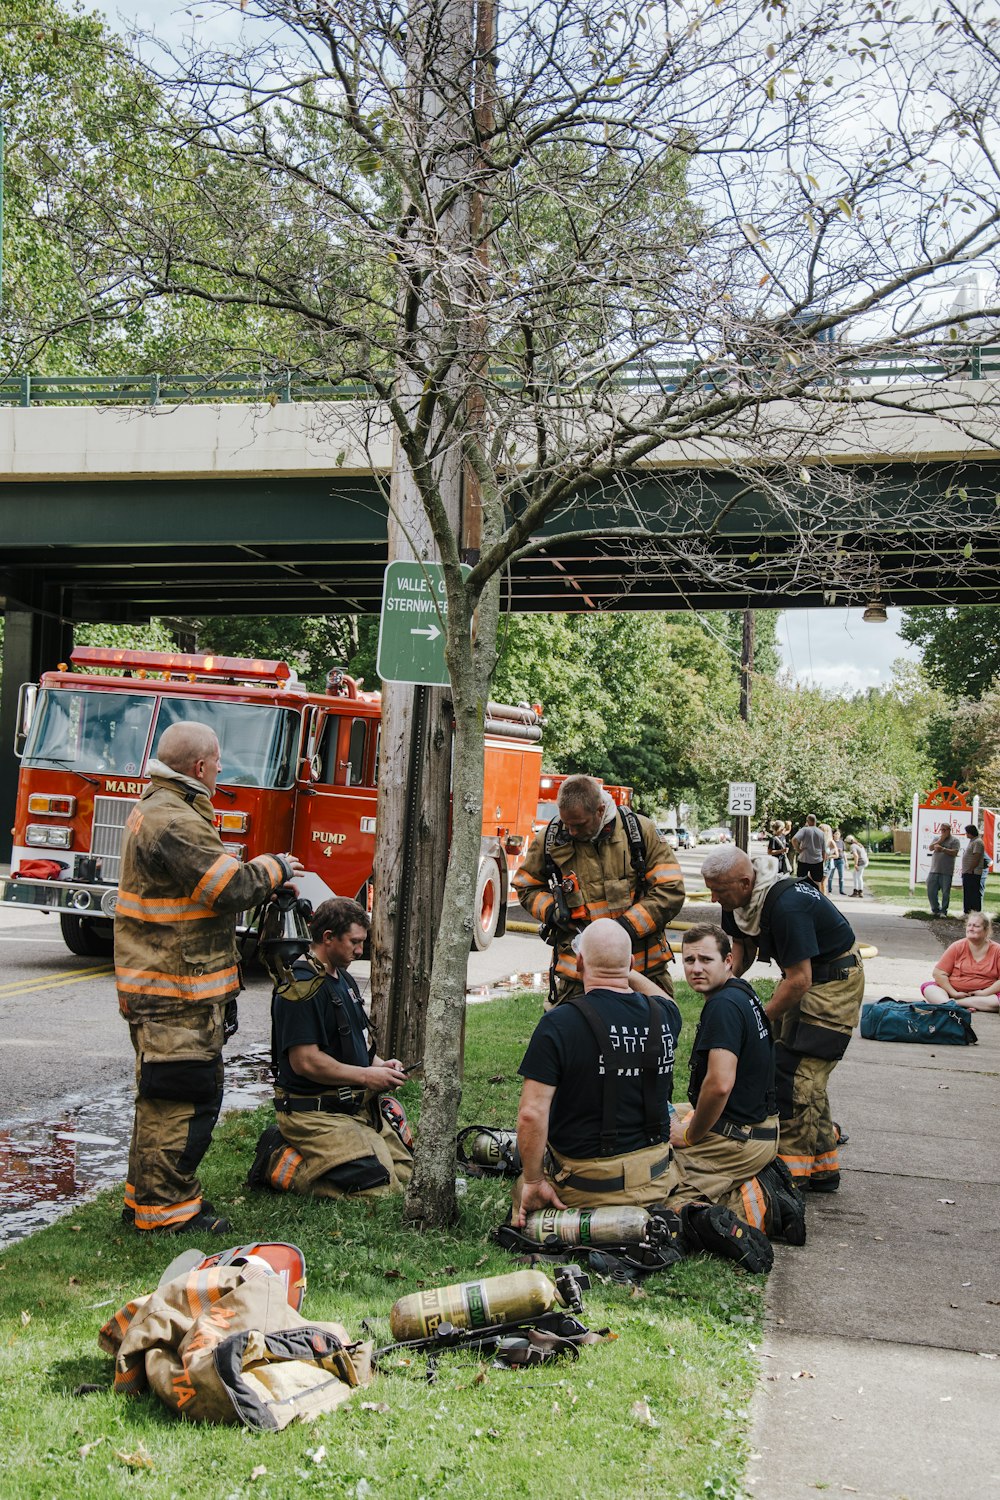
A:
(259, 1175)
(718, 1231)
(786, 1206)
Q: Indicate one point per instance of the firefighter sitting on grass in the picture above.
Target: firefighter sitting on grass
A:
(593, 1125)
(727, 1147)
(331, 1139)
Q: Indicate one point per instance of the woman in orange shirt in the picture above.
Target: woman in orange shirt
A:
(969, 971)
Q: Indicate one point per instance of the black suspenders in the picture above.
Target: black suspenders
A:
(648, 1061)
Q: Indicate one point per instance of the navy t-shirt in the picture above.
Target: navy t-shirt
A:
(563, 1053)
(733, 1020)
(316, 1022)
(803, 924)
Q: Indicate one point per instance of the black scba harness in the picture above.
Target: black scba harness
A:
(733, 1129)
(827, 973)
(556, 835)
(301, 982)
(648, 1062)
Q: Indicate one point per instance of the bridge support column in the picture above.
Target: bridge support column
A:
(32, 644)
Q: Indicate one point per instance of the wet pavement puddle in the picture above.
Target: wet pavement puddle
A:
(48, 1167)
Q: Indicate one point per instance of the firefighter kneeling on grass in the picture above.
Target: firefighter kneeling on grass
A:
(593, 1126)
(332, 1138)
(727, 1147)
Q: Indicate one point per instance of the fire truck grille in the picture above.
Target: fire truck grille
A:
(110, 814)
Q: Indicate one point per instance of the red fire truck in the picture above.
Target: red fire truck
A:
(298, 773)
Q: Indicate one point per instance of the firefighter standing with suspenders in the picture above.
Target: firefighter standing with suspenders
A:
(596, 860)
(815, 1006)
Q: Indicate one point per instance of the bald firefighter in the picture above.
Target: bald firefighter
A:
(176, 973)
(597, 860)
(593, 1125)
(815, 1005)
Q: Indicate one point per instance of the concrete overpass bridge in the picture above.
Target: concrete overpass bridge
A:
(119, 500)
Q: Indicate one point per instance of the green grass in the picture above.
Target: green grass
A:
(686, 1342)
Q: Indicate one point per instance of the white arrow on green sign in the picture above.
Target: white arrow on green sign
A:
(411, 634)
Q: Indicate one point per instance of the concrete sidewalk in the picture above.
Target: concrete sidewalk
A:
(880, 1374)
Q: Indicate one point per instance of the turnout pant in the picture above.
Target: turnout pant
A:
(179, 1080)
(327, 1155)
(810, 1040)
(722, 1170)
(640, 1177)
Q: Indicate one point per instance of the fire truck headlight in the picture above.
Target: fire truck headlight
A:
(61, 807)
(53, 838)
(234, 822)
(237, 851)
(109, 902)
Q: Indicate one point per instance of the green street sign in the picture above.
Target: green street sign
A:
(411, 634)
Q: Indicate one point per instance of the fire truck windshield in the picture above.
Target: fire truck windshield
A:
(86, 731)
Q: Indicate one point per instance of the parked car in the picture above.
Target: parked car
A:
(675, 838)
(715, 835)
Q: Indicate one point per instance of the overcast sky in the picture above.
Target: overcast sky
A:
(833, 649)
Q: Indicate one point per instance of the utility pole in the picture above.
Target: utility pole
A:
(741, 829)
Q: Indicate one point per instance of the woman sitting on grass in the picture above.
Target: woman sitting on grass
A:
(968, 971)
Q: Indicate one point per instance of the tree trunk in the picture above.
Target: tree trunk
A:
(440, 52)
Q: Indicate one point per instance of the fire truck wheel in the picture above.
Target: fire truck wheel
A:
(487, 913)
(90, 937)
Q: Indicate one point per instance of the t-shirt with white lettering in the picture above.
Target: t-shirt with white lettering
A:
(563, 1053)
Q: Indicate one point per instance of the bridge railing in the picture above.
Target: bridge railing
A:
(968, 362)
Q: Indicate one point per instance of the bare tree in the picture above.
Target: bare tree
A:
(603, 238)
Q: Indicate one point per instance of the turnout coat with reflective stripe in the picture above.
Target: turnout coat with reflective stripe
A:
(179, 892)
(608, 884)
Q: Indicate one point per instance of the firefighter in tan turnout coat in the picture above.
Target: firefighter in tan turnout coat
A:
(176, 972)
(596, 860)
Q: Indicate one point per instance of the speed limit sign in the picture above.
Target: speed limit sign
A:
(742, 798)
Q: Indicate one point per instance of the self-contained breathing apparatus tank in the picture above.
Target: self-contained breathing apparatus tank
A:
(518, 1297)
(591, 1226)
(493, 1151)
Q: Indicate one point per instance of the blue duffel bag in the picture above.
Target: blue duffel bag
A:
(889, 1020)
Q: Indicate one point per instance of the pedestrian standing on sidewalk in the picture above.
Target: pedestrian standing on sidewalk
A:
(944, 851)
(858, 855)
(836, 862)
(810, 851)
(973, 865)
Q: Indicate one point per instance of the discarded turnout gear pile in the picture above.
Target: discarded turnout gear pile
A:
(221, 1339)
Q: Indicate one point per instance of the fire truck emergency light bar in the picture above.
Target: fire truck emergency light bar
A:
(182, 662)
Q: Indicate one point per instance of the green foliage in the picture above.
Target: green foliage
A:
(844, 759)
(624, 694)
(960, 646)
(686, 1343)
(312, 644)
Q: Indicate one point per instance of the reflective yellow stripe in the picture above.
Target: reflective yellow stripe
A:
(139, 909)
(641, 920)
(754, 1207)
(183, 986)
(215, 879)
(156, 1216)
(285, 1168)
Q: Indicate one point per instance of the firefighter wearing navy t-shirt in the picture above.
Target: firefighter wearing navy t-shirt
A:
(815, 1005)
(726, 1147)
(598, 1075)
(331, 1139)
